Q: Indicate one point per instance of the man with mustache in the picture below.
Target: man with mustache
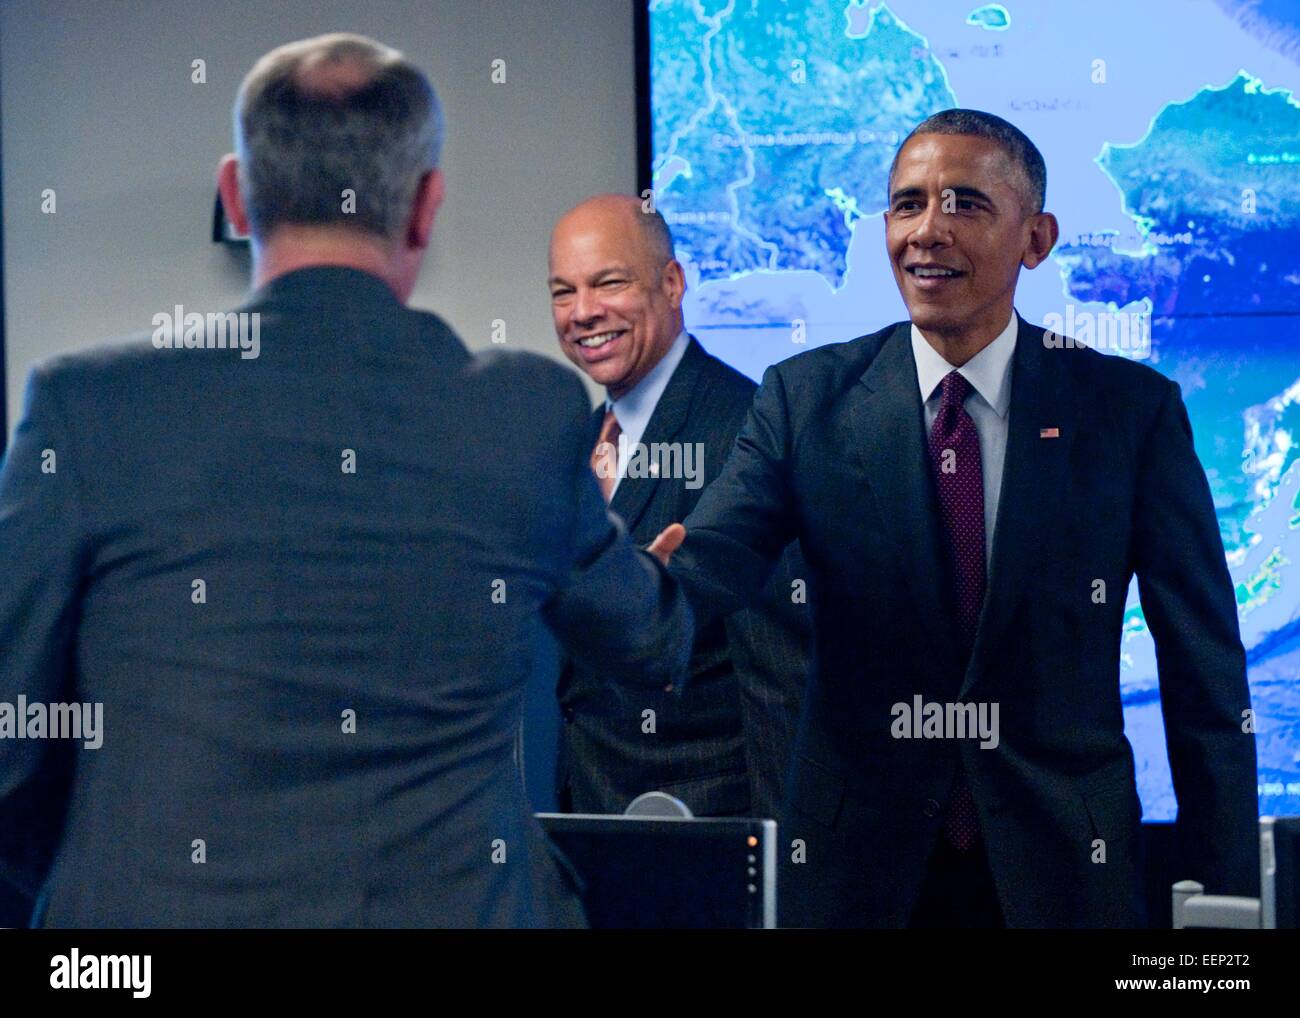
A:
(616, 297)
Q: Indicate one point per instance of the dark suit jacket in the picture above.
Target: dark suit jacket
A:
(722, 747)
(833, 453)
(414, 592)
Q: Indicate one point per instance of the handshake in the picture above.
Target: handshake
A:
(668, 541)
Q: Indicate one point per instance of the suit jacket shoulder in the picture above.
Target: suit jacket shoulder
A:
(1129, 393)
(724, 384)
(531, 387)
(826, 371)
(1097, 367)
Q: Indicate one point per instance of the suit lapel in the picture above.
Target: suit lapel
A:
(1033, 479)
(597, 422)
(889, 422)
(667, 419)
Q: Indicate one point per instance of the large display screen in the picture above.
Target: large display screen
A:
(1171, 132)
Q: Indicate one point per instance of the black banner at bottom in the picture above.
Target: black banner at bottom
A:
(211, 967)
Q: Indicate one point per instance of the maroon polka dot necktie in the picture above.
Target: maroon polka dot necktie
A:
(959, 479)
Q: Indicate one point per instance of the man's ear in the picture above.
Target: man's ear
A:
(428, 199)
(674, 280)
(228, 187)
(1043, 234)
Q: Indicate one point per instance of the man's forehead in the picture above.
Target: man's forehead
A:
(602, 216)
(941, 152)
(584, 261)
(954, 160)
(597, 240)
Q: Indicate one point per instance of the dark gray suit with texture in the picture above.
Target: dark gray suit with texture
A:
(723, 746)
(414, 593)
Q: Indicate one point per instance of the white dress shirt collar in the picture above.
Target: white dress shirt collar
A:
(636, 406)
(989, 371)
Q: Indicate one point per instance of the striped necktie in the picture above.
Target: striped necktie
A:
(604, 457)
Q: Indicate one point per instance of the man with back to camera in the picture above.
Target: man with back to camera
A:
(616, 296)
(307, 585)
(973, 496)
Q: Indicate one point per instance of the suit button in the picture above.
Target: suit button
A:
(569, 713)
(931, 807)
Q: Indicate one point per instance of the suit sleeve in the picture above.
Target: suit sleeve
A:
(618, 611)
(744, 519)
(39, 544)
(1190, 606)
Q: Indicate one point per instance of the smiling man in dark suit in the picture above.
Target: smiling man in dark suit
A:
(308, 587)
(973, 497)
(670, 418)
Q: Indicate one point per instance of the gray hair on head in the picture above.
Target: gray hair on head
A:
(333, 113)
(1022, 152)
(658, 235)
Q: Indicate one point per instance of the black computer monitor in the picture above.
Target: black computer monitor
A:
(657, 873)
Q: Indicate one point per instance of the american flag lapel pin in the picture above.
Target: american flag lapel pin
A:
(1049, 432)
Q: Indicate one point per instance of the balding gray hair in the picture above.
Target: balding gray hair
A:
(658, 234)
(334, 113)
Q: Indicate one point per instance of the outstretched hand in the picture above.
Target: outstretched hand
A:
(668, 541)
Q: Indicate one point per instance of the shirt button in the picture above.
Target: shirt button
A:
(931, 808)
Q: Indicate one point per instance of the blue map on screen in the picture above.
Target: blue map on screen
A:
(1171, 132)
